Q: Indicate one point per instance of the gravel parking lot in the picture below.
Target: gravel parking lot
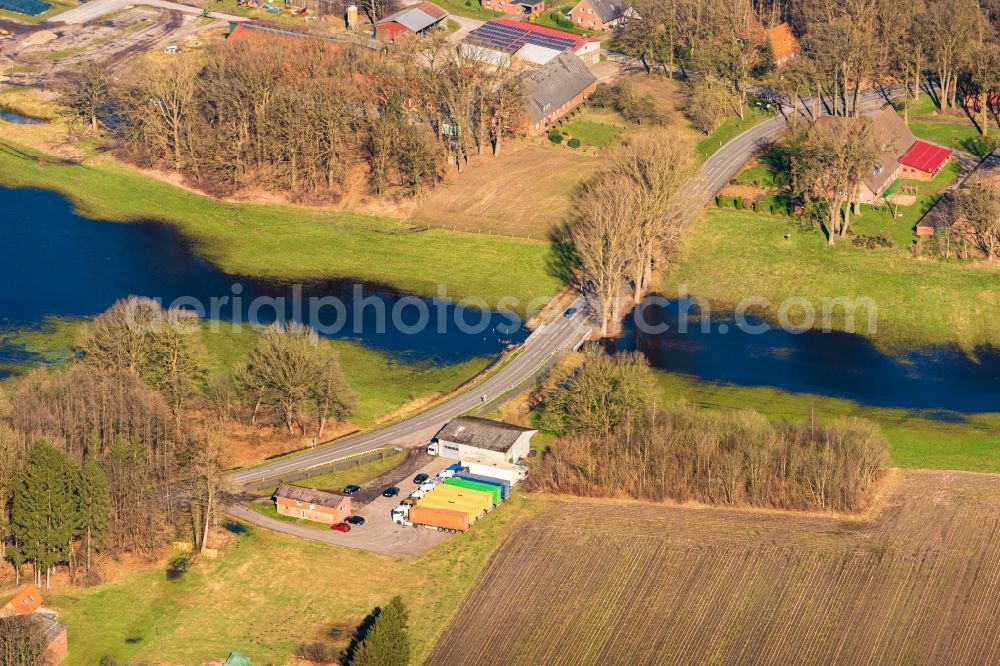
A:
(378, 534)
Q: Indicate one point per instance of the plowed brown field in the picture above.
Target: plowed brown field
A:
(589, 583)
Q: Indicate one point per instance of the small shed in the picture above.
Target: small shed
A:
(237, 659)
(924, 160)
(311, 504)
(483, 439)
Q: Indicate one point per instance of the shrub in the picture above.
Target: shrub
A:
(317, 652)
(742, 459)
(738, 203)
(879, 240)
(555, 137)
(780, 179)
(763, 207)
(573, 143)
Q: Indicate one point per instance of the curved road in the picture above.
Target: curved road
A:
(542, 346)
(550, 340)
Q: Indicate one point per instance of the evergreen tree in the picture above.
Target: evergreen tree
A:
(386, 643)
(93, 504)
(44, 517)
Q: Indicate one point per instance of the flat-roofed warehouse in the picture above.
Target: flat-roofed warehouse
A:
(489, 441)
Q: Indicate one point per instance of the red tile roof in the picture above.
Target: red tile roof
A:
(783, 42)
(26, 601)
(926, 157)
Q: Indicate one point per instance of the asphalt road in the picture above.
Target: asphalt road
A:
(545, 343)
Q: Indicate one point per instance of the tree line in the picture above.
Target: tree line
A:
(107, 454)
(948, 48)
(617, 441)
(306, 117)
(628, 219)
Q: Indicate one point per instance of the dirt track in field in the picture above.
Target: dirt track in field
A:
(644, 584)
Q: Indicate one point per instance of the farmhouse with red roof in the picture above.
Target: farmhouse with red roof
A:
(902, 155)
(923, 160)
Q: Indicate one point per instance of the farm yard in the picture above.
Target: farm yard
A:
(918, 582)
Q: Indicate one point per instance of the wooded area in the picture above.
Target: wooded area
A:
(618, 442)
(307, 117)
(949, 48)
(629, 218)
(109, 455)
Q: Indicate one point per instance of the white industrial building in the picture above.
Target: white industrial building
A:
(495, 442)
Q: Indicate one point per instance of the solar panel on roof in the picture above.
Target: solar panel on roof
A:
(510, 38)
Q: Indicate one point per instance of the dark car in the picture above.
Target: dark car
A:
(570, 312)
(341, 527)
(391, 491)
(351, 489)
(421, 478)
(355, 520)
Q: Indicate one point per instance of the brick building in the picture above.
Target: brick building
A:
(515, 7)
(311, 504)
(598, 15)
(556, 89)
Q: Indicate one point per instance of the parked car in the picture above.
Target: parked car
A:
(341, 527)
(351, 489)
(391, 491)
(446, 474)
(570, 312)
(355, 520)
(420, 478)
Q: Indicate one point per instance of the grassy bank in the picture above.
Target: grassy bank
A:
(288, 243)
(730, 129)
(383, 384)
(917, 441)
(358, 473)
(467, 8)
(270, 591)
(919, 301)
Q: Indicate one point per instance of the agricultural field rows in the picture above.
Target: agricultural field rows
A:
(644, 584)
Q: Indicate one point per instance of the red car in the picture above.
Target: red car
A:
(341, 527)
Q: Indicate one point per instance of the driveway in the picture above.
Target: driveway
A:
(467, 26)
(378, 535)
